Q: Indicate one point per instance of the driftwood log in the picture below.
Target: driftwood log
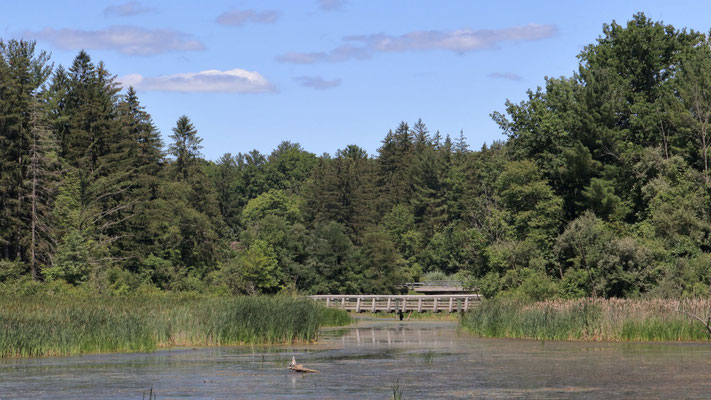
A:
(706, 323)
(300, 368)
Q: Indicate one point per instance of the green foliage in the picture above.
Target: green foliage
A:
(11, 270)
(274, 202)
(434, 276)
(260, 266)
(601, 188)
(331, 263)
(600, 197)
(72, 259)
(384, 269)
(529, 285)
(535, 211)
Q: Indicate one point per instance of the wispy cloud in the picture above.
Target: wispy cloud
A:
(460, 41)
(339, 54)
(331, 5)
(511, 76)
(128, 9)
(318, 83)
(241, 17)
(230, 81)
(124, 39)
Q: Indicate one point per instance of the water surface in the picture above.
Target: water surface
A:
(427, 359)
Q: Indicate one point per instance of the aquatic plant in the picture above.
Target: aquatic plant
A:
(427, 357)
(51, 325)
(334, 317)
(591, 319)
(397, 390)
(151, 395)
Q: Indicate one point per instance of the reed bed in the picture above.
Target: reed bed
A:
(53, 326)
(591, 320)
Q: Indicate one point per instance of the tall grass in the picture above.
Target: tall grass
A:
(49, 325)
(590, 319)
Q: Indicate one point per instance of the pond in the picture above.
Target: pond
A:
(425, 359)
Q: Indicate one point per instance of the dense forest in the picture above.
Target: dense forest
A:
(600, 188)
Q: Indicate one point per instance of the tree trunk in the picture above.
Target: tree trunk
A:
(33, 243)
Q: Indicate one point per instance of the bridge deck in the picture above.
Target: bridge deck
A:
(393, 303)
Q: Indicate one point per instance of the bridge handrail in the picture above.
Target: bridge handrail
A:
(435, 283)
(392, 296)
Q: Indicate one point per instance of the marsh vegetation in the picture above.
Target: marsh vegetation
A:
(591, 319)
(49, 326)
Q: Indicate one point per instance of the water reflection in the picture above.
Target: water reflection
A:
(403, 333)
(429, 359)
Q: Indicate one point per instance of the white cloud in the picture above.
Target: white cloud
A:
(128, 9)
(240, 17)
(511, 76)
(230, 81)
(318, 83)
(124, 39)
(459, 41)
(331, 5)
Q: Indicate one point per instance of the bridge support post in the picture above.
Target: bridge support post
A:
(434, 309)
(358, 305)
(419, 305)
(451, 303)
(466, 304)
(388, 306)
(343, 303)
(372, 306)
(328, 301)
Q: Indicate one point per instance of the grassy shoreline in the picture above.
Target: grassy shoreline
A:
(64, 325)
(590, 320)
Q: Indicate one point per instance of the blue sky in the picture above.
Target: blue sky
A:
(328, 73)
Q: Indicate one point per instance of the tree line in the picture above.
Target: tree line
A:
(600, 188)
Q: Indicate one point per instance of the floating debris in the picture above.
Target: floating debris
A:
(300, 368)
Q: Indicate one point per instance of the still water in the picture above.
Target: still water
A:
(426, 359)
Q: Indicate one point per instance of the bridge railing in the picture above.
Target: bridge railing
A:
(404, 303)
(412, 285)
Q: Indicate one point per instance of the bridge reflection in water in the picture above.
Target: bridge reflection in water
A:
(394, 303)
(391, 332)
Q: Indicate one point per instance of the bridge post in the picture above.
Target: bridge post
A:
(343, 303)
(404, 304)
(419, 305)
(328, 301)
(434, 309)
(451, 303)
(466, 304)
(388, 306)
(372, 306)
(358, 304)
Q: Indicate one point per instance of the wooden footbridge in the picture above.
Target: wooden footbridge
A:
(394, 303)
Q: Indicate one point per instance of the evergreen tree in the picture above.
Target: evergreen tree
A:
(40, 186)
(394, 165)
(23, 72)
(342, 190)
(185, 147)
